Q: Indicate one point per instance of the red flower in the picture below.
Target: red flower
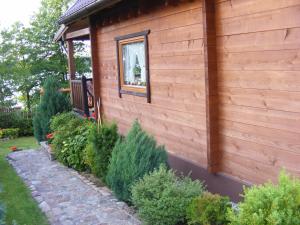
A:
(49, 136)
(13, 148)
(94, 115)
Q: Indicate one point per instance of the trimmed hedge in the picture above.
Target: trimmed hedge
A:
(9, 133)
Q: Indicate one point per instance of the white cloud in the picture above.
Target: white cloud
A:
(17, 10)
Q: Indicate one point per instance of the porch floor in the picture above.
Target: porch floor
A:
(65, 196)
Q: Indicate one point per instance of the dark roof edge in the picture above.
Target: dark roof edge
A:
(88, 10)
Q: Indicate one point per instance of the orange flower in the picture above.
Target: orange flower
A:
(13, 148)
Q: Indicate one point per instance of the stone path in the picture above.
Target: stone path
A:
(66, 197)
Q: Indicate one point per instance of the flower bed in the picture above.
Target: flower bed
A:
(136, 169)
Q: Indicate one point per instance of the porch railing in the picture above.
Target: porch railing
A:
(82, 95)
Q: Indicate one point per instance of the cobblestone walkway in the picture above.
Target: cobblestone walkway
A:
(66, 197)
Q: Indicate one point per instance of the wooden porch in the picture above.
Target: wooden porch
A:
(82, 95)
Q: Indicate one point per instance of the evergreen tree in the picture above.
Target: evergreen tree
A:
(52, 102)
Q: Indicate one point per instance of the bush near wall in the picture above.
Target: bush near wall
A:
(208, 209)
(70, 139)
(162, 198)
(270, 204)
(132, 158)
(101, 142)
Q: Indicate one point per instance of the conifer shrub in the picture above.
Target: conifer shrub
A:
(270, 204)
(208, 209)
(133, 157)
(52, 102)
(162, 198)
(101, 142)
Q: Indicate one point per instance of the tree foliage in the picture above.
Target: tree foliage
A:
(52, 102)
(28, 54)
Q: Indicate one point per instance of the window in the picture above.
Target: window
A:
(133, 68)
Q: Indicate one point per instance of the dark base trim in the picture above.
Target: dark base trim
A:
(215, 183)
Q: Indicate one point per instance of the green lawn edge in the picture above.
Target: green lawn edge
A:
(20, 207)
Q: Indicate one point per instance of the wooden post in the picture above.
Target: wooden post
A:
(85, 97)
(211, 85)
(95, 62)
(71, 62)
(71, 65)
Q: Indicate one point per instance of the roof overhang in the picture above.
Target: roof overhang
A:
(87, 10)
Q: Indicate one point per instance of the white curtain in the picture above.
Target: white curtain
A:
(130, 53)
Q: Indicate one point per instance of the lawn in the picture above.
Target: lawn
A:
(20, 207)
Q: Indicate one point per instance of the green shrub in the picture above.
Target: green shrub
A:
(17, 119)
(9, 133)
(61, 119)
(101, 143)
(132, 158)
(70, 139)
(52, 102)
(162, 198)
(208, 209)
(270, 204)
(72, 153)
(25, 126)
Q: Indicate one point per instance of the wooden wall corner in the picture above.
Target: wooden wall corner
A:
(211, 87)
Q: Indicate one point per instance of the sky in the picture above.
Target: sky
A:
(17, 10)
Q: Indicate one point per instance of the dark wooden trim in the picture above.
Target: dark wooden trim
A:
(211, 87)
(118, 68)
(148, 89)
(95, 60)
(85, 97)
(215, 183)
(133, 35)
(122, 91)
(78, 33)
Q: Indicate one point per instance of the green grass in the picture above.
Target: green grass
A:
(19, 205)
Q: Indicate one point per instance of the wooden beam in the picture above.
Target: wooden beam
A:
(211, 87)
(71, 61)
(95, 61)
(78, 33)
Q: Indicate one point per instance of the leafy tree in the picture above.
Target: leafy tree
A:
(28, 55)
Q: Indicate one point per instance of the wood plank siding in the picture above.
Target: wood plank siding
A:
(258, 76)
(176, 115)
(257, 81)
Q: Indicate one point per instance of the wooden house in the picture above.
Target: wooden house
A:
(216, 81)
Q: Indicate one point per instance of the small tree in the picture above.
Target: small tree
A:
(132, 158)
(52, 102)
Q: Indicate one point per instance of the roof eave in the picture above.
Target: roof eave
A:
(84, 12)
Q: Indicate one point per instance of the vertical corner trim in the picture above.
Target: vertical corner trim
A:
(211, 86)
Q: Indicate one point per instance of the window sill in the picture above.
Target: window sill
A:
(139, 94)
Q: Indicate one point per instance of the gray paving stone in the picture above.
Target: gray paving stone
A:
(65, 196)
